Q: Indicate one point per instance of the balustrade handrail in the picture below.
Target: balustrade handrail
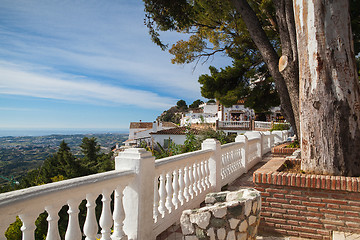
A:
(180, 157)
(23, 195)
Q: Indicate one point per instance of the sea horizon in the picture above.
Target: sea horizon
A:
(35, 132)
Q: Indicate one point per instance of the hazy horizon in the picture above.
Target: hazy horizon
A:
(34, 132)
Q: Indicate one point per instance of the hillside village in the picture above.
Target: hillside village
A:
(236, 119)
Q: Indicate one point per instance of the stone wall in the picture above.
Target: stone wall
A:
(227, 215)
(308, 206)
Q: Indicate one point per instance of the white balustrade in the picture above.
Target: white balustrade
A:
(183, 188)
(234, 124)
(29, 203)
(262, 125)
(143, 188)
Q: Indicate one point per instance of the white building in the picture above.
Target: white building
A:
(212, 112)
(173, 135)
(140, 131)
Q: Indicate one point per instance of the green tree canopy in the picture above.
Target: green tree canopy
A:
(181, 105)
(196, 104)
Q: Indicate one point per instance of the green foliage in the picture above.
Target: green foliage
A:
(181, 105)
(219, 135)
(14, 232)
(294, 144)
(196, 104)
(191, 142)
(235, 83)
(171, 115)
(280, 127)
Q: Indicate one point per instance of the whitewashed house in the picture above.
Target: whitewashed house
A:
(140, 131)
(173, 135)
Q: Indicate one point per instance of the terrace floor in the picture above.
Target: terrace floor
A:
(245, 181)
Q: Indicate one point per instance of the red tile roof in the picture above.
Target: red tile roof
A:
(141, 125)
(150, 125)
(176, 131)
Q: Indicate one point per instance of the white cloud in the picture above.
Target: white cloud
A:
(16, 80)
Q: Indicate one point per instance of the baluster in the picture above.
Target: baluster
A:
(73, 231)
(156, 199)
(119, 215)
(195, 180)
(181, 186)
(90, 225)
(199, 178)
(232, 161)
(187, 184)
(28, 227)
(207, 173)
(175, 185)
(222, 166)
(106, 218)
(191, 182)
(169, 192)
(202, 175)
(162, 194)
(53, 218)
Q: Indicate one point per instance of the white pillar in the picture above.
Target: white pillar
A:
(214, 163)
(139, 195)
(244, 150)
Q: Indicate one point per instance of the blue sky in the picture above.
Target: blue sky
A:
(86, 64)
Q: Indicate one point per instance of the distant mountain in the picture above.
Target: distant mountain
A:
(20, 154)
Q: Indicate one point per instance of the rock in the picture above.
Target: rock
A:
(236, 218)
(252, 220)
(191, 238)
(221, 233)
(231, 235)
(200, 233)
(211, 234)
(247, 207)
(235, 208)
(212, 198)
(233, 223)
(217, 222)
(254, 207)
(202, 219)
(186, 226)
(234, 196)
(241, 236)
(219, 211)
(243, 226)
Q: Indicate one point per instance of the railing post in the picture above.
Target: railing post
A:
(244, 150)
(139, 195)
(214, 163)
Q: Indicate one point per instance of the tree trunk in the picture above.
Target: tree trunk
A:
(271, 59)
(329, 89)
(288, 63)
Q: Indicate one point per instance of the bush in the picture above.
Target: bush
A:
(280, 127)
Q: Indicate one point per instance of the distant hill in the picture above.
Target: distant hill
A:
(20, 154)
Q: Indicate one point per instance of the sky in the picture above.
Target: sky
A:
(87, 64)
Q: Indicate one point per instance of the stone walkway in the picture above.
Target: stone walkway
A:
(245, 181)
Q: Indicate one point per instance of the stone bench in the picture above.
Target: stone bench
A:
(226, 216)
